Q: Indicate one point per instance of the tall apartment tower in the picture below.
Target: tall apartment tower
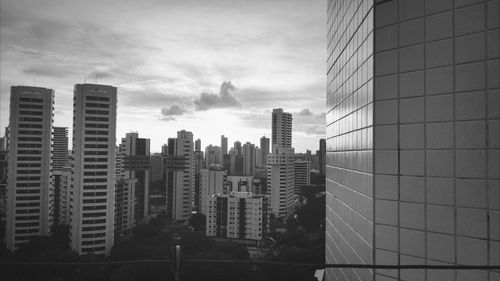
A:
(413, 126)
(180, 176)
(155, 167)
(280, 182)
(59, 161)
(257, 156)
(199, 164)
(197, 145)
(280, 169)
(213, 181)
(63, 198)
(29, 190)
(302, 174)
(322, 157)
(60, 150)
(213, 155)
(93, 183)
(248, 151)
(135, 189)
(264, 151)
(281, 128)
(3, 172)
(237, 147)
(223, 145)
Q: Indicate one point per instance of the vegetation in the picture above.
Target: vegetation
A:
(303, 242)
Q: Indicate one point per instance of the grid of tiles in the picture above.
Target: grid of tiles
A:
(349, 227)
(420, 171)
(436, 137)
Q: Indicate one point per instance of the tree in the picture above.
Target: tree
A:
(198, 222)
(312, 215)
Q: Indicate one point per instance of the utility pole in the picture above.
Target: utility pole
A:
(177, 274)
(176, 259)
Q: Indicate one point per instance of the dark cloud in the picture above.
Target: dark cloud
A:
(224, 99)
(174, 109)
(304, 112)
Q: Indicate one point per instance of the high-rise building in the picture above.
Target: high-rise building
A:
(199, 164)
(164, 149)
(3, 172)
(60, 148)
(223, 145)
(64, 196)
(236, 163)
(3, 143)
(322, 157)
(213, 181)
(240, 184)
(281, 128)
(59, 160)
(212, 155)
(238, 215)
(280, 171)
(413, 110)
(237, 147)
(302, 174)
(157, 185)
(280, 182)
(132, 198)
(248, 152)
(257, 156)
(264, 151)
(155, 167)
(93, 184)
(226, 162)
(29, 190)
(180, 176)
(197, 145)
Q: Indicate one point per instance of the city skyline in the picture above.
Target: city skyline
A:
(167, 80)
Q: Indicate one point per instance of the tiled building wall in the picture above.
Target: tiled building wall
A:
(437, 137)
(349, 172)
(426, 168)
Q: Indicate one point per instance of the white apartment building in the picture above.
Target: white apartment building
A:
(213, 181)
(280, 182)
(29, 191)
(180, 176)
(238, 215)
(93, 185)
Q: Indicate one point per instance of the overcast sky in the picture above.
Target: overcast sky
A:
(211, 67)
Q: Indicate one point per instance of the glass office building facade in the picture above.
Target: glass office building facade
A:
(413, 137)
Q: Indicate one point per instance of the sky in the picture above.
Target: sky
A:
(214, 67)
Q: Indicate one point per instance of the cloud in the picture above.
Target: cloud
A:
(304, 112)
(224, 99)
(315, 130)
(174, 109)
(48, 70)
(100, 74)
(169, 118)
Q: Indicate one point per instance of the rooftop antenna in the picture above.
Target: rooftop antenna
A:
(85, 79)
